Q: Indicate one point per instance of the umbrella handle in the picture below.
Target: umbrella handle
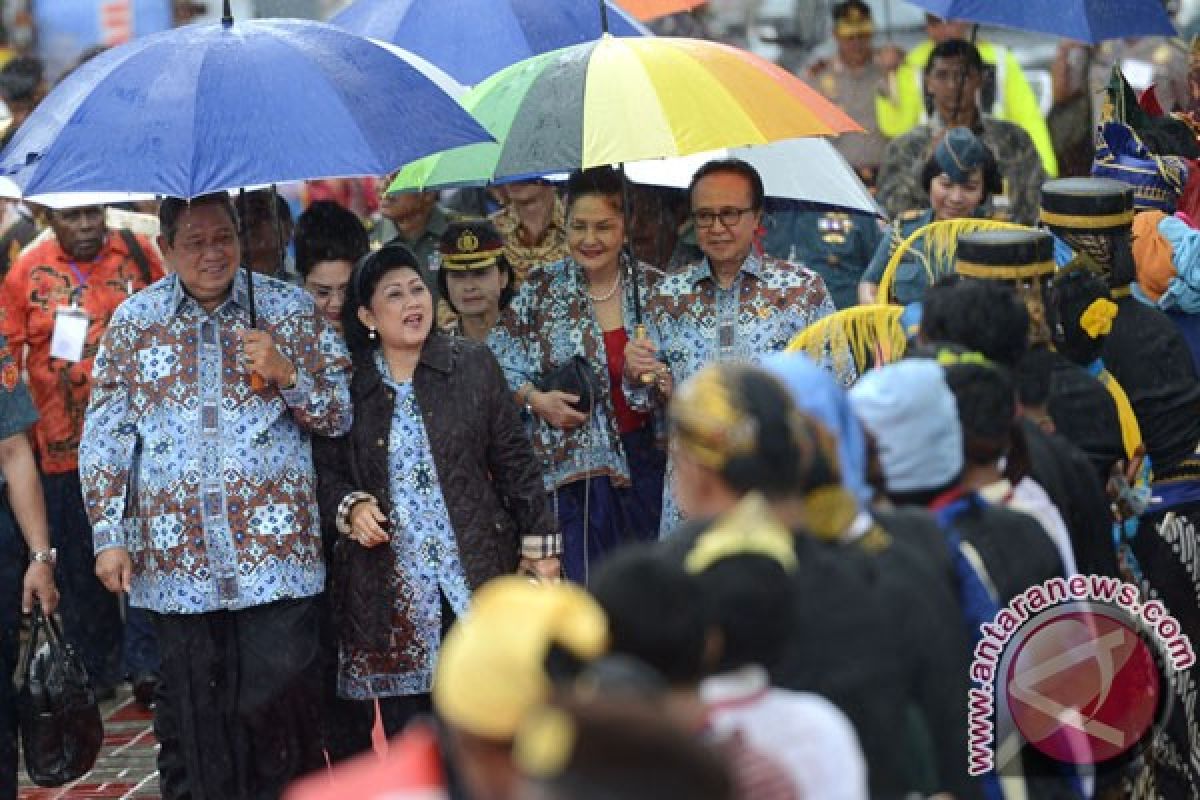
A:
(639, 334)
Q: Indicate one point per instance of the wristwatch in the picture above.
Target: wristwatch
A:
(45, 556)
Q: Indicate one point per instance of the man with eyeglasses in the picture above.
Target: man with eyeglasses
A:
(200, 485)
(734, 304)
(55, 305)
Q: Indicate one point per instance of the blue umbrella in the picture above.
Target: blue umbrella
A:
(210, 107)
(1088, 21)
(471, 39)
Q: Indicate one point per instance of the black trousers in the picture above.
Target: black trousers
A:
(238, 706)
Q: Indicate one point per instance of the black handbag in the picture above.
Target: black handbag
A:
(575, 377)
(59, 718)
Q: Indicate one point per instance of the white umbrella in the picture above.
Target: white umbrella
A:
(810, 170)
(59, 200)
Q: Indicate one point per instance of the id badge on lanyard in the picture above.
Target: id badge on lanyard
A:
(70, 324)
(70, 333)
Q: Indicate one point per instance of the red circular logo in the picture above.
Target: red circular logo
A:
(1083, 687)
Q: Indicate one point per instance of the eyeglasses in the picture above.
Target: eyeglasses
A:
(729, 217)
(199, 246)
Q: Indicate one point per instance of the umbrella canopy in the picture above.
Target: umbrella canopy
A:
(618, 100)
(646, 10)
(1089, 21)
(210, 107)
(809, 170)
(471, 39)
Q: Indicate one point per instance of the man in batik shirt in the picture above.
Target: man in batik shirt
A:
(199, 482)
(733, 304)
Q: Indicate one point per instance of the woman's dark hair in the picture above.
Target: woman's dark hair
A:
(993, 181)
(656, 613)
(780, 461)
(983, 316)
(750, 598)
(737, 167)
(327, 231)
(365, 280)
(1070, 294)
(604, 181)
(172, 208)
(506, 294)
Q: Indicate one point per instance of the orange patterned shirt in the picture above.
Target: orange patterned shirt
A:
(41, 280)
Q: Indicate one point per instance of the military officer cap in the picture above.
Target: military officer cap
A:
(1087, 204)
(852, 18)
(959, 153)
(470, 244)
(1005, 255)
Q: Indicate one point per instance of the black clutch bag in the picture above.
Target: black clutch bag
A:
(575, 377)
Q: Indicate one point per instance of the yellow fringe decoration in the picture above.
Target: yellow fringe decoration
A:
(1131, 432)
(871, 335)
(940, 243)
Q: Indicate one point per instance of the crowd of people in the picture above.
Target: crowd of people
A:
(528, 480)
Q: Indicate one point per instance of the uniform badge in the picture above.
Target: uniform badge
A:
(834, 227)
(467, 242)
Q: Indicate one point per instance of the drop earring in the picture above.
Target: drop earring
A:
(371, 334)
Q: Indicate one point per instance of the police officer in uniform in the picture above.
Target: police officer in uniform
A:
(852, 79)
(476, 281)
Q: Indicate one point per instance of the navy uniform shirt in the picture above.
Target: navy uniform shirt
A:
(911, 278)
(836, 245)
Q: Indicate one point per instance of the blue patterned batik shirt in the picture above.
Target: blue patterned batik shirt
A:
(208, 483)
(427, 563)
(550, 320)
(694, 322)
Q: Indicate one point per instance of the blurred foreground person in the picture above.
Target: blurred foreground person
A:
(498, 664)
(734, 430)
(657, 614)
(602, 749)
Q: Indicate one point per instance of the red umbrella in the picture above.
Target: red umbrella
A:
(646, 10)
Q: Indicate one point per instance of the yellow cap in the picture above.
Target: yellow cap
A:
(491, 670)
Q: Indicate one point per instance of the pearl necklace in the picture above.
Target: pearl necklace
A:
(609, 294)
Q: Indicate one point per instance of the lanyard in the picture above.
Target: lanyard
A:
(80, 278)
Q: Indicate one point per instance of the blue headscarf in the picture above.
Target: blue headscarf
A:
(818, 394)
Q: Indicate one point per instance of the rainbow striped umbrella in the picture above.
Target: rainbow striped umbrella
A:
(616, 100)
